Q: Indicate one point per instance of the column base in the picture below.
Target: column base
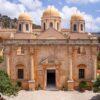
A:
(70, 85)
(31, 85)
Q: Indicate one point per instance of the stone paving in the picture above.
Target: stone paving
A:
(55, 95)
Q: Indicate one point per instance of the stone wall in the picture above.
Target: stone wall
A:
(56, 57)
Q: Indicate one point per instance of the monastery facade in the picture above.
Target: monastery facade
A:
(50, 56)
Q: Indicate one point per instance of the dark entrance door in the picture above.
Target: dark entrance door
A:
(51, 80)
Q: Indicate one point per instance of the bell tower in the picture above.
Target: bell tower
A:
(77, 23)
(51, 19)
(24, 23)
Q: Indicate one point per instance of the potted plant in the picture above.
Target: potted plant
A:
(82, 86)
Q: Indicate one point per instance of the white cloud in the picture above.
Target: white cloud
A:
(92, 24)
(33, 7)
(11, 9)
(82, 1)
(31, 4)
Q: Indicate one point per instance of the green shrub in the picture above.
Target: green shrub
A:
(98, 66)
(19, 83)
(82, 85)
(96, 85)
(7, 87)
(98, 56)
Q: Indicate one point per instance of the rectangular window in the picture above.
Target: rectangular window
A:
(81, 74)
(20, 73)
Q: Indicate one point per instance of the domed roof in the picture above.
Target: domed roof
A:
(77, 17)
(51, 12)
(24, 16)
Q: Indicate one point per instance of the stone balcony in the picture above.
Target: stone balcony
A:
(48, 42)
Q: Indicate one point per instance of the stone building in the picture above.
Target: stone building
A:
(50, 56)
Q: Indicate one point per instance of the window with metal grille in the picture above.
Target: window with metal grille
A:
(20, 74)
(81, 73)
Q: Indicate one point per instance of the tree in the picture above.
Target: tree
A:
(96, 85)
(7, 87)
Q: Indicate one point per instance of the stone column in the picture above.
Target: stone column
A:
(70, 67)
(94, 61)
(94, 67)
(7, 57)
(8, 64)
(32, 67)
(32, 80)
(70, 77)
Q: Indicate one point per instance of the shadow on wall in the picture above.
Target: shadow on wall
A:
(97, 97)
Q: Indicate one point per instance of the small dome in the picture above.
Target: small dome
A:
(25, 17)
(51, 12)
(77, 17)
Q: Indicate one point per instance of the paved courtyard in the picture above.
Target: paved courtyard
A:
(55, 95)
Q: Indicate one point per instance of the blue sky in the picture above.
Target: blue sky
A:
(90, 9)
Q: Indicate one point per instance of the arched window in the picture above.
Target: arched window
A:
(75, 27)
(51, 25)
(81, 73)
(27, 27)
(81, 27)
(20, 27)
(44, 26)
(20, 73)
(57, 26)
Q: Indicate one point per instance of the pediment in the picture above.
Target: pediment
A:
(50, 60)
(51, 33)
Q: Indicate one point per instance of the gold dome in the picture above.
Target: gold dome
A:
(77, 17)
(25, 17)
(51, 12)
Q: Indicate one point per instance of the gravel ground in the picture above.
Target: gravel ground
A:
(55, 95)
